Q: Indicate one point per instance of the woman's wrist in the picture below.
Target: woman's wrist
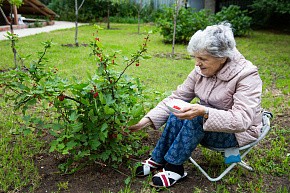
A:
(145, 122)
(206, 111)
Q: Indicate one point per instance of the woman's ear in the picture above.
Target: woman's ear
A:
(223, 60)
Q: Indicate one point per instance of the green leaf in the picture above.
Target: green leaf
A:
(85, 102)
(80, 86)
(27, 132)
(128, 180)
(56, 126)
(23, 87)
(137, 110)
(104, 127)
(76, 127)
(146, 57)
(103, 135)
(60, 146)
(84, 153)
(108, 110)
(71, 144)
(105, 155)
(109, 99)
(53, 145)
(95, 144)
(73, 116)
(102, 99)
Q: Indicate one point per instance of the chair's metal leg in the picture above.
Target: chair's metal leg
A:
(210, 178)
(247, 148)
(244, 165)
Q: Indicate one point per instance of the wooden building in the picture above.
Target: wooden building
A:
(29, 7)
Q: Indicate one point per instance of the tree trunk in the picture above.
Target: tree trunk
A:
(13, 40)
(15, 15)
(76, 23)
(177, 7)
(139, 11)
(108, 16)
(174, 34)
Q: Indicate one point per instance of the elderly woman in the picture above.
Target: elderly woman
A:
(229, 113)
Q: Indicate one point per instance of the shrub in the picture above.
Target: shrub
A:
(241, 23)
(271, 12)
(89, 119)
(188, 22)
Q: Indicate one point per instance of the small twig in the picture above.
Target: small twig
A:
(121, 172)
(143, 49)
(67, 97)
(134, 159)
(102, 164)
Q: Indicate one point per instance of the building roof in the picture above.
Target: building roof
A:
(30, 7)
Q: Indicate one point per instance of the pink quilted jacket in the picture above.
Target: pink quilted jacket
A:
(233, 96)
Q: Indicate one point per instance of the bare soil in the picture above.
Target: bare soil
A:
(100, 178)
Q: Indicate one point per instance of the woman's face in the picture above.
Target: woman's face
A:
(208, 64)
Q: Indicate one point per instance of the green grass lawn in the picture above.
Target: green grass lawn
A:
(269, 51)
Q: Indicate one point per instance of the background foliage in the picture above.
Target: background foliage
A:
(190, 21)
(97, 10)
(273, 13)
(265, 13)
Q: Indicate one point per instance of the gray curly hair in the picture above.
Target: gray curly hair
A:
(216, 40)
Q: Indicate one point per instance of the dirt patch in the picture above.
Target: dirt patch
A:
(176, 56)
(99, 178)
(73, 45)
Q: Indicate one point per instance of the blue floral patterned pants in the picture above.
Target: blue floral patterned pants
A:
(181, 137)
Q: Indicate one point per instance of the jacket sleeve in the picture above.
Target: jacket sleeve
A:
(185, 92)
(247, 101)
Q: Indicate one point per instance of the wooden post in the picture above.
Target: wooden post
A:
(15, 15)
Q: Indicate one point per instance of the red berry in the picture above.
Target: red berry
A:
(96, 95)
(137, 64)
(176, 107)
(113, 136)
(61, 97)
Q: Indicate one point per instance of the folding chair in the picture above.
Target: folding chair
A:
(232, 155)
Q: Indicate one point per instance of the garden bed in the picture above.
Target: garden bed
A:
(100, 178)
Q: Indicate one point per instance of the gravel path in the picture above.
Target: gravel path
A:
(31, 31)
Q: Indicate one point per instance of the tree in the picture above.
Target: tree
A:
(77, 8)
(175, 15)
(14, 4)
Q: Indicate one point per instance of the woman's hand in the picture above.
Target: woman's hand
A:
(144, 122)
(191, 111)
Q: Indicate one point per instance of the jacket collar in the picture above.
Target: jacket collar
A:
(231, 68)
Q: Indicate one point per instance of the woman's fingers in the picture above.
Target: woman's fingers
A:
(189, 112)
(144, 122)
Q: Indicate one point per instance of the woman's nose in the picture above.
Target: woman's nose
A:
(197, 63)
